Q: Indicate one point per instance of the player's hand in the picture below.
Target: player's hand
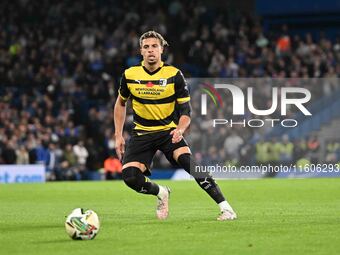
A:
(120, 146)
(177, 135)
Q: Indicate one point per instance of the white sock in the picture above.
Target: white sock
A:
(225, 206)
(162, 192)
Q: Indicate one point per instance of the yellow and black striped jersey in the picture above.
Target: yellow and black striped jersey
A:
(154, 95)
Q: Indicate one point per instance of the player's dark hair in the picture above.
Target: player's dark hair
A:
(153, 34)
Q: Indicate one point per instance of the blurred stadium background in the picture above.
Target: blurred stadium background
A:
(60, 64)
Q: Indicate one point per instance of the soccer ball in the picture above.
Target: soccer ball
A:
(82, 224)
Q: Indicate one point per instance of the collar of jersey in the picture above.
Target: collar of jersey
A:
(153, 72)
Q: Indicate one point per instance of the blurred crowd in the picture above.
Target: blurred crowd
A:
(60, 63)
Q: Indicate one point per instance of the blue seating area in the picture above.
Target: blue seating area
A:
(323, 111)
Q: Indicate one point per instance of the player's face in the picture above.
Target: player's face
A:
(151, 50)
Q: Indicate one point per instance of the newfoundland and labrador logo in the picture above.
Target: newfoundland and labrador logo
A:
(239, 102)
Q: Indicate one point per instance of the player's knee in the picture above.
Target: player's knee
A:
(139, 165)
(133, 178)
(184, 160)
(188, 163)
(181, 151)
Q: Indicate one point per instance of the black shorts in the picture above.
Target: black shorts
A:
(142, 148)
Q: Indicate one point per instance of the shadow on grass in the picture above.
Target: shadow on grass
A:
(67, 240)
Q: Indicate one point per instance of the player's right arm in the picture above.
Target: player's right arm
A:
(119, 116)
(183, 101)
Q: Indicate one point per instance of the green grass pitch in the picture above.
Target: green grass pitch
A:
(276, 216)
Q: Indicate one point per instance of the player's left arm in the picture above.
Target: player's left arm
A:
(183, 101)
